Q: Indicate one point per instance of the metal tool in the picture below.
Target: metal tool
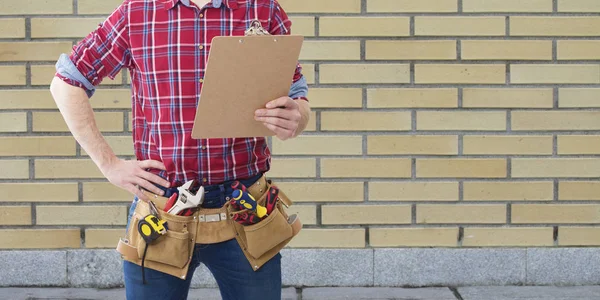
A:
(186, 198)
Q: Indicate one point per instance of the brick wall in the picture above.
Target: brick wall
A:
(451, 123)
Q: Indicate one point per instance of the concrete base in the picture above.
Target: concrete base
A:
(412, 267)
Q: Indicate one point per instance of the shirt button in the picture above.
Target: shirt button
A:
(204, 180)
(201, 15)
(203, 147)
(201, 80)
(201, 47)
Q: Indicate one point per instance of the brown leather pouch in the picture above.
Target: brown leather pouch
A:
(172, 252)
(262, 241)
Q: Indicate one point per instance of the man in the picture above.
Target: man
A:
(165, 46)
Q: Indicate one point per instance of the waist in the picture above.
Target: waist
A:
(212, 190)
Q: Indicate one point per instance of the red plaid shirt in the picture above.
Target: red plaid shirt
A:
(165, 46)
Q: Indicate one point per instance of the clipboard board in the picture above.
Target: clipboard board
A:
(243, 73)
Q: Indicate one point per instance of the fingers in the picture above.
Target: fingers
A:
(282, 133)
(154, 178)
(279, 122)
(137, 192)
(151, 164)
(281, 102)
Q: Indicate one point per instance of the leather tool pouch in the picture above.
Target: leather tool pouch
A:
(172, 252)
(262, 241)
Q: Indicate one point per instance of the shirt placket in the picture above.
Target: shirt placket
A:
(200, 58)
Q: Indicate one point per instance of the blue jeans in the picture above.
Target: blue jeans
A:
(226, 261)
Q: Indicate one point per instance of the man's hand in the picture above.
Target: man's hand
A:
(129, 174)
(283, 116)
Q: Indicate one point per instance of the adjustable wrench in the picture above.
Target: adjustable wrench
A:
(186, 199)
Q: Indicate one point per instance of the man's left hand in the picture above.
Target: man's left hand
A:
(282, 116)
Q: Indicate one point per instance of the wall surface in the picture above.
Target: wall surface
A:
(435, 123)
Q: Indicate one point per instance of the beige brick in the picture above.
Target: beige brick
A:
(508, 191)
(38, 192)
(365, 121)
(329, 238)
(304, 26)
(555, 213)
(388, 6)
(26, 99)
(40, 238)
(330, 50)
(508, 98)
(413, 237)
(43, 75)
(578, 97)
(503, 145)
(490, 237)
(321, 6)
(460, 73)
(367, 167)
(411, 97)
(578, 236)
(461, 120)
(33, 51)
(14, 169)
(459, 26)
(12, 75)
(461, 213)
(37, 7)
(308, 70)
(298, 167)
(12, 28)
(97, 7)
(412, 144)
(507, 6)
(63, 27)
(555, 167)
(411, 50)
(112, 98)
(578, 50)
(365, 214)
(15, 215)
(578, 144)
(66, 168)
(319, 145)
(506, 50)
(312, 123)
(364, 73)
(554, 26)
(306, 213)
(103, 238)
(130, 118)
(461, 168)
(105, 192)
(13, 122)
(555, 120)
(37, 146)
(579, 190)
(81, 215)
(364, 26)
(323, 191)
(413, 191)
(335, 97)
(578, 6)
(121, 145)
(54, 122)
(555, 74)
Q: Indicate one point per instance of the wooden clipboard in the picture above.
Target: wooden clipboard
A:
(243, 73)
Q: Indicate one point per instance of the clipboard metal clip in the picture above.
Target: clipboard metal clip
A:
(256, 29)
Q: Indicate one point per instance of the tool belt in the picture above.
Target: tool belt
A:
(172, 253)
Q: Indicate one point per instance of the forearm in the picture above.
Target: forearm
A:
(75, 108)
(304, 116)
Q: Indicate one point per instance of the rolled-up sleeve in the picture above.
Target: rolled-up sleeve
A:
(281, 25)
(102, 53)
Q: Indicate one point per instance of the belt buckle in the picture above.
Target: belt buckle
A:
(213, 218)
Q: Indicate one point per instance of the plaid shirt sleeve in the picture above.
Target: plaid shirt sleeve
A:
(281, 25)
(101, 53)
